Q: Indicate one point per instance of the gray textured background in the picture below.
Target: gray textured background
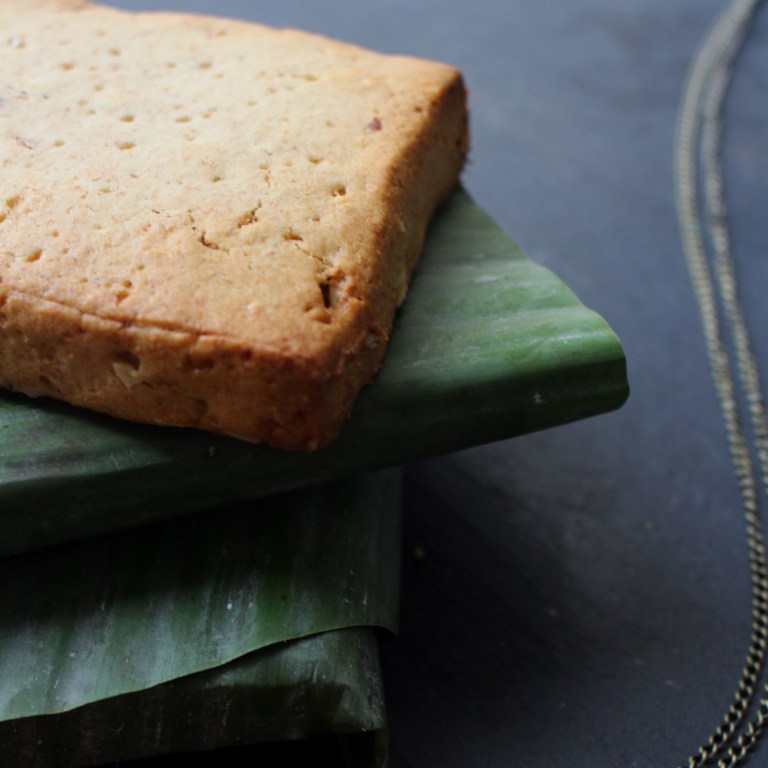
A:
(584, 595)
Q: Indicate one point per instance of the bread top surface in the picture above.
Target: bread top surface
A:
(199, 174)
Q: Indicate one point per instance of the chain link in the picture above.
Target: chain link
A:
(698, 163)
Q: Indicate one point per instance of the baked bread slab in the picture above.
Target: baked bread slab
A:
(209, 223)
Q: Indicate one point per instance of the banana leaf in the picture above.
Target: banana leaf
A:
(488, 345)
(217, 630)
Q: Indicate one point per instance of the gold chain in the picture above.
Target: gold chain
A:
(698, 164)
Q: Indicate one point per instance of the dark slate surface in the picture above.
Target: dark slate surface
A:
(580, 596)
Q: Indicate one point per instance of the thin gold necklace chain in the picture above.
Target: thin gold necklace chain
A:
(698, 166)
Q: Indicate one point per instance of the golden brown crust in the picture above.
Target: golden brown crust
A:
(208, 223)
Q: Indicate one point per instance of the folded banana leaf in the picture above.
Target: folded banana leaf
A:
(488, 345)
(217, 630)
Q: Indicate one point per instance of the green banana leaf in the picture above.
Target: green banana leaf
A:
(488, 345)
(212, 631)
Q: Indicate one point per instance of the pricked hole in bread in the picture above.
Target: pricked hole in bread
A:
(58, 143)
(67, 66)
(128, 358)
(325, 292)
(183, 119)
(291, 235)
(127, 118)
(315, 159)
(126, 366)
(12, 202)
(124, 292)
(339, 191)
(113, 51)
(249, 217)
(3, 217)
(216, 179)
(125, 145)
(205, 64)
(34, 256)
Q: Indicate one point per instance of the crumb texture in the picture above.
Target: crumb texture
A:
(215, 208)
